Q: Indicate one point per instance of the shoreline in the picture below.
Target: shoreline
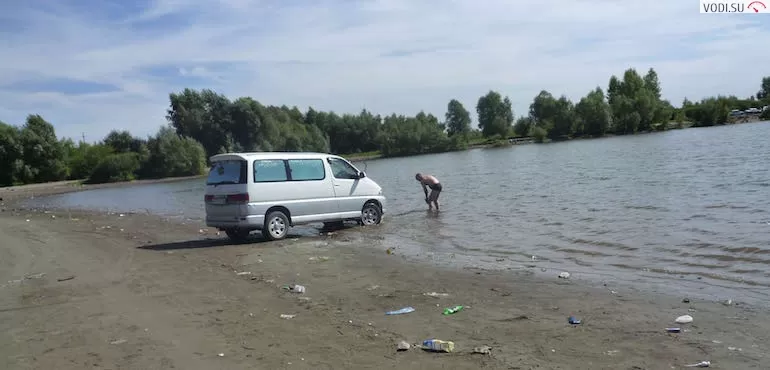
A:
(505, 144)
(11, 194)
(172, 291)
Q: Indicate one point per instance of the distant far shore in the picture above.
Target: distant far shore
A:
(518, 140)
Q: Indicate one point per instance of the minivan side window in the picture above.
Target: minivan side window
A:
(306, 169)
(342, 169)
(269, 170)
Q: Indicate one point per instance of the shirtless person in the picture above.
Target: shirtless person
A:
(428, 181)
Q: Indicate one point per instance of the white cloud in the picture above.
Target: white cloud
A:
(387, 56)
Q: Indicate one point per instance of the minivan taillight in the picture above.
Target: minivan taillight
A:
(238, 198)
(208, 198)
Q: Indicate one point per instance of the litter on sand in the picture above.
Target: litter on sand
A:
(700, 364)
(436, 295)
(436, 345)
(401, 311)
(404, 346)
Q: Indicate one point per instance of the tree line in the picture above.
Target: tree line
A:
(203, 123)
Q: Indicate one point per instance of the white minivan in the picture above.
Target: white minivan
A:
(271, 191)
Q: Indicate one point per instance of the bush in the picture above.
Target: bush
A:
(538, 134)
(523, 126)
(171, 155)
(84, 159)
(115, 168)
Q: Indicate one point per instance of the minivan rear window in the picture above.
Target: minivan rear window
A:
(227, 172)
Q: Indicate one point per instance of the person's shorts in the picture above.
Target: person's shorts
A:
(435, 190)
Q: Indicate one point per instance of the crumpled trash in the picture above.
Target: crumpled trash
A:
(403, 346)
(437, 345)
(295, 288)
(482, 350)
(564, 275)
(684, 319)
(285, 316)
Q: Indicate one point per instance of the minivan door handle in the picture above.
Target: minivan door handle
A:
(337, 185)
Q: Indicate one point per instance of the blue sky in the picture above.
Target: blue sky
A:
(92, 66)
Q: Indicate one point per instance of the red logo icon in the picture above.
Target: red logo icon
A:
(754, 5)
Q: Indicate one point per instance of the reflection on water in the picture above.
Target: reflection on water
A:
(680, 210)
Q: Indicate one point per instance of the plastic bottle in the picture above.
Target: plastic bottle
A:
(451, 310)
(437, 345)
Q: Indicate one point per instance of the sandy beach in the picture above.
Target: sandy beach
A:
(133, 291)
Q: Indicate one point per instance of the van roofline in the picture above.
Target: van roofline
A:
(271, 155)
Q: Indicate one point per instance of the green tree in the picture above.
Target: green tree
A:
(635, 102)
(458, 119)
(123, 142)
(114, 168)
(709, 111)
(42, 152)
(83, 158)
(495, 114)
(652, 84)
(403, 135)
(172, 155)
(205, 116)
(593, 114)
(764, 91)
(555, 116)
(543, 108)
(11, 158)
(523, 126)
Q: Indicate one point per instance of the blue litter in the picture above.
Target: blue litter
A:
(401, 311)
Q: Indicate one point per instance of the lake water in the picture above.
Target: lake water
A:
(685, 212)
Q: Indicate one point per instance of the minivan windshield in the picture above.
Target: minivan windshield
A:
(227, 172)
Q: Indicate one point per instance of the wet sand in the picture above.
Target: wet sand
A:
(94, 290)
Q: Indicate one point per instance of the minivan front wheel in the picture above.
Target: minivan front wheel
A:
(276, 226)
(371, 214)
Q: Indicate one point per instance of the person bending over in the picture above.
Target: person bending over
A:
(429, 181)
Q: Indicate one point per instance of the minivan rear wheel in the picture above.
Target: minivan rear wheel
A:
(276, 226)
(371, 214)
(237, 235)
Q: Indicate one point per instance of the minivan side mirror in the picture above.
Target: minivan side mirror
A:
(361, 174)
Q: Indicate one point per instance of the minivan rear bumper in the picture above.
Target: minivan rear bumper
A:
(253, 222)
